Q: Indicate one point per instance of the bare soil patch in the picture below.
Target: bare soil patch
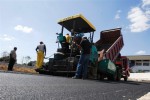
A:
(18, 69)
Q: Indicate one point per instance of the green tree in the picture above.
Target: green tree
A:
(27, 59)
(5, 57)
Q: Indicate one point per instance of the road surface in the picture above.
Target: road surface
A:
(15, 86)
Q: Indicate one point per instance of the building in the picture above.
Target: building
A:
(139, 63)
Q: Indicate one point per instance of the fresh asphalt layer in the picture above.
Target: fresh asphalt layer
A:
(18, 86)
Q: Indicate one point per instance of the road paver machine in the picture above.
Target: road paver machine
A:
(105, 61)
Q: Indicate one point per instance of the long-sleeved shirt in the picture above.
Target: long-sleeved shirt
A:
(41, 47)
(85, 46)
(13, 54)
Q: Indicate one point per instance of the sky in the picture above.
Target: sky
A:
(24, 23)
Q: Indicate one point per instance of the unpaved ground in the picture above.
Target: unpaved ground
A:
(3, 67)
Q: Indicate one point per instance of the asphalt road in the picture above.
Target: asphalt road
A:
(44, 87)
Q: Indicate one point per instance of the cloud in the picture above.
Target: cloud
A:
(139, 21)
(6, 37)
(145, 3)
(141, 52)
(117, 16)
(146, 7)
(139, 17)
(24, 29)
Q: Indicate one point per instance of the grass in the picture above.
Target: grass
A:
(19, 69)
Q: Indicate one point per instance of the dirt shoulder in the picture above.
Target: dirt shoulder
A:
(3, 67)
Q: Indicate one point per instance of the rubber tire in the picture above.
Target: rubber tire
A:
(125, 78)
(113, 77)
(101, 77)
(118, 75)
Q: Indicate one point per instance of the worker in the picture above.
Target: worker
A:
(101, 55)
(94, 55)
(78, 37)
(61, 39)
(41, 52)
(12, 59)
(85, 47)
(68, 38)
(93, 62)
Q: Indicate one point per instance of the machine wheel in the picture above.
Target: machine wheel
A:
(125, 78)
(118, 74)
(109, 78)
(101, 77)
(113, 77)
(42, 72)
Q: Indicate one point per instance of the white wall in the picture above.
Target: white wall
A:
(142, 68)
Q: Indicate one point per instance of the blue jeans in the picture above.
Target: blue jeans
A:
(82, 66)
